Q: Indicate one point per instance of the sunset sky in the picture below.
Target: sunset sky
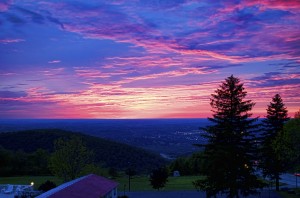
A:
(144, 58)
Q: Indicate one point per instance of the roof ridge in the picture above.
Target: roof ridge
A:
(61, 187)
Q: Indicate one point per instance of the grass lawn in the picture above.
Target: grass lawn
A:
(287, 195)
(26, 180)
(142, 183)
(138, 183)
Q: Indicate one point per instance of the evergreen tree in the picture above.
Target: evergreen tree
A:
(230, 150)
(271, 164)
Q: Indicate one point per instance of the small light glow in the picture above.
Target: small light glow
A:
(32, 183)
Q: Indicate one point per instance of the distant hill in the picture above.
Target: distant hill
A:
(107, 152)
(172, 137)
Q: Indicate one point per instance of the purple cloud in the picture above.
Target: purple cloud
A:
(274, 79)
(12, 94)
(120, 58)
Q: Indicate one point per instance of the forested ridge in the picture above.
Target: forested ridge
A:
(107, 153)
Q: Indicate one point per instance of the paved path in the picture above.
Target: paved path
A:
(290, 180)
(190, 194)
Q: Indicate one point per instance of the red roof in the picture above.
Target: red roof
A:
(89, 186)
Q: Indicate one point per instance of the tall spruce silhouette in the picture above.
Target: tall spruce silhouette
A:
(230, 153)
(277, 115)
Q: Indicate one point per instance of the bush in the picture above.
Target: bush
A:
(159, 177)
(48, 185)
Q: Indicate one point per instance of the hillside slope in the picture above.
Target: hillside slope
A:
(107, 152)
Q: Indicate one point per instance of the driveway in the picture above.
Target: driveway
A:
(290, 180)
(190, 194)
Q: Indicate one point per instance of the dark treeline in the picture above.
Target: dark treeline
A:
(190, 165)
(14, 163)
(27, 152)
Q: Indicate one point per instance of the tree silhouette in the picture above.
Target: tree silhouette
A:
(277, 115)
(230, 151)
(159, 178)
(297, 114)
(292, 132)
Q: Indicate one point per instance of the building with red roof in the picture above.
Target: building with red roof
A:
(88, 186)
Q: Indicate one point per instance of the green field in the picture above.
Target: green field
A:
(138, 183)
(287, 195)
(142, 183)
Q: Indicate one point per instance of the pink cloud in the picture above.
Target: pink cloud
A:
(169, 74)
(7, 41)
(91, 73)
(276, 4)
(150, 60)
(54, 61)
(52, 72)
(4, 5)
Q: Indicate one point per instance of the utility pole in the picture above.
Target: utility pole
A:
(129, 175)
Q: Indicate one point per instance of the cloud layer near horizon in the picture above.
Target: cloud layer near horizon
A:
(144, 59)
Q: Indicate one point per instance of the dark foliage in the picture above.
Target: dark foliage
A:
(276, 117)
(106, 152)
(230, 152)
(70, 158)
(191, 165)
(14, 163)
(297, 114)
(113, 172)
(159, 177)
(292, 133)
(130, 172)
(48, 185)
